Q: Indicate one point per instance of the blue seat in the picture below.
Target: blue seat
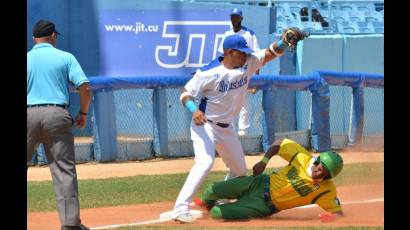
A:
(379, 30)
(357, 15)
(346, 7)
(362, 24)
(365, 6)
(349, 27)
(364, 27)
(339, 27)
(370, 19)
(365, 30)
(378, 27)
(354, 19)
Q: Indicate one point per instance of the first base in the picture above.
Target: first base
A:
(168, 215)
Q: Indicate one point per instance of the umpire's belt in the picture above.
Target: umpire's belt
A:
(266, 195)
(48, 105)
(222, 125)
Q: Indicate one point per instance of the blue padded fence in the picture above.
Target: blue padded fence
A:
(138, 118)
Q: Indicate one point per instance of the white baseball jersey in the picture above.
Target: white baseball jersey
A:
(222, 90)
(249, 36)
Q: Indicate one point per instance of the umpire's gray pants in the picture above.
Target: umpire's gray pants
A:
(52, 127)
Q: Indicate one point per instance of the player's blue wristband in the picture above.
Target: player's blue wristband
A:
(282, 45)
(190, 105)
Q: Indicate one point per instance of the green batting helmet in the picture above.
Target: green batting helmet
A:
(332, 161)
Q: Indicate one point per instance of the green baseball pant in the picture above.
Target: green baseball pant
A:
(249, 192)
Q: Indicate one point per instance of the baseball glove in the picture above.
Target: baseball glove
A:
(292, 36)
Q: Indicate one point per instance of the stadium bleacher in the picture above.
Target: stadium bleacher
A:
(342, 16)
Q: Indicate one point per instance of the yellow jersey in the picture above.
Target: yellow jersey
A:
(293, 185)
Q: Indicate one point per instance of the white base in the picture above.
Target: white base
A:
(168, 215)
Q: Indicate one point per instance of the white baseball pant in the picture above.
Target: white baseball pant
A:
(206, 139)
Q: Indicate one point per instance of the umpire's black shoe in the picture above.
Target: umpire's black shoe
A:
(81, 227)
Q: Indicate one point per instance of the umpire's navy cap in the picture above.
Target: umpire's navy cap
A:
(44, 28)
(236, 11)
(236, 42)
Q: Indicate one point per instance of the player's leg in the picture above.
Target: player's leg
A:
(229, 189)
(204, 149)
(244, 208)
(243, 122)
(59, 147)
(230, 149)
(33, 133)
(250, 204)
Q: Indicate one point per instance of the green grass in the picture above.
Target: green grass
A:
(249, 228)
(148, 189)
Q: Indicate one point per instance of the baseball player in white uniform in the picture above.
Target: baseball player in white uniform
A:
(221, 87)
(250, 38)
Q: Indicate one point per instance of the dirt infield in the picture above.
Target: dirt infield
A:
(361, 211)
(363, 205)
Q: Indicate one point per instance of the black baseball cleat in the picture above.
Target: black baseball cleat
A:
(81, 227)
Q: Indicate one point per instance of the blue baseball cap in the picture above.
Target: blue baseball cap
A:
(236, 42)
(236, 11)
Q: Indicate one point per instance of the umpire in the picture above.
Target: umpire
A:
(49, 72)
